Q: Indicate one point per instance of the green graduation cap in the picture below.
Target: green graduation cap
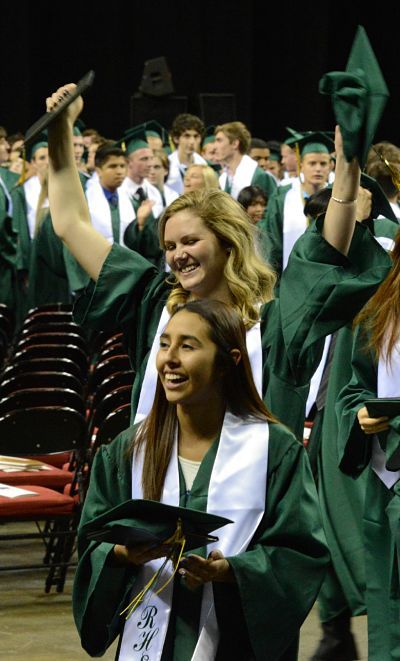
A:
(32, 147)
(209, 135)
(380, 203)
(79, 126)
(315, 142)
(154, 128)
(294, 136)
(359, 95)
(133, 139)
(148, 521)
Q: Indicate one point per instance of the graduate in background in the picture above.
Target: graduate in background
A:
(186, 132)
(158, 175)
(285, 220)
(198, 177)
(239, 170)
(371, 441)
(208, 444)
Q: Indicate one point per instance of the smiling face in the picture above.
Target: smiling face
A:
(195, 256)
(256, 210)
(186, 360)
(193, 179)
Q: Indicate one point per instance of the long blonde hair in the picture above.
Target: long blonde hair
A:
(250, 280)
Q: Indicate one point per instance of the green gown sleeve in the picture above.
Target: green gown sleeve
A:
(146, 241)
(321, 290)
(353, 445)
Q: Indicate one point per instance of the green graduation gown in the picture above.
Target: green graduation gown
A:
(320, 291)
(341, 497)
(277, 578)
(271, 228)
(10, 178)
(54, 274)
(146, 241)
(8, 256)
(381, 518)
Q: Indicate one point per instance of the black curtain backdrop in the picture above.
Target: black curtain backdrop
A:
(271, 64)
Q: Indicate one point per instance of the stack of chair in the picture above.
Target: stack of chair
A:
(109, 391)
(43, 415)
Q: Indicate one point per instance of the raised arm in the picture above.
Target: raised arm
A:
(68, 206)
(340, 216)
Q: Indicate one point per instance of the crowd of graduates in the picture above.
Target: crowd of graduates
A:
(188, 240)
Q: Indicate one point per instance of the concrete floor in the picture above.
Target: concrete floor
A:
(29, 618)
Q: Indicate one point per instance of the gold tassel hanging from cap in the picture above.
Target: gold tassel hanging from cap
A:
(22, 177)
(177, 541)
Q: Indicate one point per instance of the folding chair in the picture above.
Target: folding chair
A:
(33, 431)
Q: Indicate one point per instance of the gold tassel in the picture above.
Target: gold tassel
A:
(178, 542)
(22, 178)
(394, 172)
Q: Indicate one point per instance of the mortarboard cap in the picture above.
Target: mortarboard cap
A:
(209, 135)
(148, 521)
(47, 118)
(294, 136)
(380, 203)
(359, 95)
(315, 142)
(40, 141)
(133, 139)
(154, 128)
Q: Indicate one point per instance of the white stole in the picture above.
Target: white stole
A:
(8, 198)
(294, 221)
(242, 177)
(32, 189)
(388, 385)
(237, 490)
(100, 212)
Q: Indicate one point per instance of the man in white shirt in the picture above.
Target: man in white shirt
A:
(187, 132)
(232, 146)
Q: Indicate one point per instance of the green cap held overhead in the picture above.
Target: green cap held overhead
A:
(359, 95)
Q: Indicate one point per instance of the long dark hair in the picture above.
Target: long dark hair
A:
(156, 434)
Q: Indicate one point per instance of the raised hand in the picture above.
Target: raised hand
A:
(73, 110)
